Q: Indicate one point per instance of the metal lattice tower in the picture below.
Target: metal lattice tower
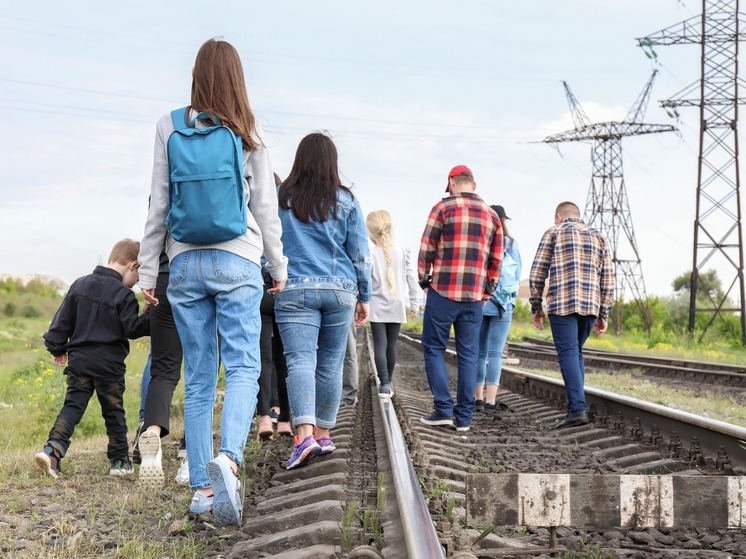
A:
(718, 240)
(607, 208)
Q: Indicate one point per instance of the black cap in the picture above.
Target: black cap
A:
(500, 211)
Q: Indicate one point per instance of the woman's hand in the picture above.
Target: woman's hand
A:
(149, 295)
(362, 312)
(277, 286)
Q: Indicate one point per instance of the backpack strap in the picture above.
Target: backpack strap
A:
(178, 117)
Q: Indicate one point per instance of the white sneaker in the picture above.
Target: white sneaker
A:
(182, 476)
(226, 504)
(151, 469)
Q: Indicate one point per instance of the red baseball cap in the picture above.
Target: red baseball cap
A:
(457, 171)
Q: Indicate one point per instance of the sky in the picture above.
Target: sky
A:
(407, 89)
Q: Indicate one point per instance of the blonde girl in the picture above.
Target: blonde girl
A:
(395, 287)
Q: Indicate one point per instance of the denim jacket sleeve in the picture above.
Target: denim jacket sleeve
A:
(356, 246)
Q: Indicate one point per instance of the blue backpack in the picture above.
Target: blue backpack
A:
(206, 195)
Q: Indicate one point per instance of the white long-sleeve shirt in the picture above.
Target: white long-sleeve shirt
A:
(385, 307)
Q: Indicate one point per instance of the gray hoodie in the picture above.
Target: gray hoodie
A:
(264, 229)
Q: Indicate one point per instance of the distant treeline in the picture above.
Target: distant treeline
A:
(38, 285)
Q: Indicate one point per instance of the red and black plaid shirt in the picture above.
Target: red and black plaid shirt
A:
(462, 248)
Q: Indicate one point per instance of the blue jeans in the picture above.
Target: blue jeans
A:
(213, 291)
(570, 333)
(144, 383)
(492, 337)
(440, 314)
(314, 325)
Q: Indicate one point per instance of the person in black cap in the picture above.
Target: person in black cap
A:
(497, 314)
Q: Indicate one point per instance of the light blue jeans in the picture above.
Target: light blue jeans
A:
(314, 325)
(217, 292)
(492, 337)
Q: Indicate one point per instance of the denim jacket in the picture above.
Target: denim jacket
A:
(333, 254)
(506, 294)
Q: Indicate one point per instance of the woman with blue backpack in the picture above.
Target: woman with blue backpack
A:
(497, 314)
(214, 204)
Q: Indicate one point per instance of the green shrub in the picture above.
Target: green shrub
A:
(30, 311)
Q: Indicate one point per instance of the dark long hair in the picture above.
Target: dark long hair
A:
(310, 190)
(218, 88)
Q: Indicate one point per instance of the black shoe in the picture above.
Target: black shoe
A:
(437, 420)
(496, 407)
(478, 405)
(574, 419)
(136, 459)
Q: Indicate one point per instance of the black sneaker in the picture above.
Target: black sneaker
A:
(478, 405)
(121, 468)
(274, 416)
(49, 461)
(437, 420)
(136, 458)
(496, 407)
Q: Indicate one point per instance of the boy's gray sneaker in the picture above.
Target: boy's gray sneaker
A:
(121, 468)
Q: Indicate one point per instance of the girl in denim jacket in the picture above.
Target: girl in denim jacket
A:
(323, 232)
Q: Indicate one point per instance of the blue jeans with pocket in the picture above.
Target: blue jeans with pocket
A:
(314, 325)
(492, 337)
(215, 292)
(466, 317)
(570, 333)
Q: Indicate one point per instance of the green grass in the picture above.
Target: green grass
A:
(32, 388)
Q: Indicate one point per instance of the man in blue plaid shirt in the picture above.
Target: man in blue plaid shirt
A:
(577, 260)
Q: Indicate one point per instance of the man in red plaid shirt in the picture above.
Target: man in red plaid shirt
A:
(459, 265)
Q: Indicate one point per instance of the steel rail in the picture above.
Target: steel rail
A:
(417, 525)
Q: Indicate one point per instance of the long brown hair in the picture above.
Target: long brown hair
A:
(310, 190)
(218, 88)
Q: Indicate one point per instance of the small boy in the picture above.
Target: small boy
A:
(89, 334)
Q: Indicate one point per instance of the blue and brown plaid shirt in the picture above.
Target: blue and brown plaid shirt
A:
(577, 259)
(462, 248)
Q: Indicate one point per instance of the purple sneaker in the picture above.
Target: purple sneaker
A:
(303, 452)
(326, 444)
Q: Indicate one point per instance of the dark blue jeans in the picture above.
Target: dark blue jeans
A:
(570, 333)
(440, 314)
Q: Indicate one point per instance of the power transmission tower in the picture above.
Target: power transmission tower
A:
(717, 224)
(607, 208)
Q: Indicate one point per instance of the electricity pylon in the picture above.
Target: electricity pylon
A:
(607, 208)
(718, 239)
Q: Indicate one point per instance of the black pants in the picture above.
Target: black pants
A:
(110, 393)
(385, 335)
(274, 371)
(165, 368)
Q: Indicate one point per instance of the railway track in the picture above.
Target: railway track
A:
(398, 488)
(732, 376)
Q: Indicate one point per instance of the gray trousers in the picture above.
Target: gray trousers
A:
(350, 370)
